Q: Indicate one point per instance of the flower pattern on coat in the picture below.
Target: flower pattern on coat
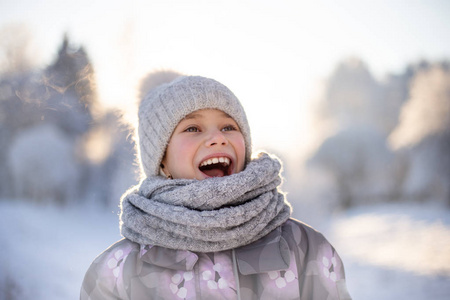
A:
(115, 262)
(178, 283)
(330, 264)
(128, 270)
(217, 275)
(282, 282)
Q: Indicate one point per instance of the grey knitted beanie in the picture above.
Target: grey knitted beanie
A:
(166, 105)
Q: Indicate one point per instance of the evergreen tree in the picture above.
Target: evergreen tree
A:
(70, 79)
(59, 99)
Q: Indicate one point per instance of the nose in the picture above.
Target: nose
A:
(216, 138)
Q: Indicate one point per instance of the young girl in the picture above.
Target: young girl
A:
(209, 221)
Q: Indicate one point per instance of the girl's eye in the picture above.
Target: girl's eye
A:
(229, 128)
(191, 129)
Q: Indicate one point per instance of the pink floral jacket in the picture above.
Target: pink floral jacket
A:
(292, 262)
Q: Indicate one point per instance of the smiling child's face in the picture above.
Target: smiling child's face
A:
(206, 143)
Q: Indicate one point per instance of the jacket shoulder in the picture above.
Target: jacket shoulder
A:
(103, 278)
(308, 243)
(114, 254)
(302, 233)
(319, 265)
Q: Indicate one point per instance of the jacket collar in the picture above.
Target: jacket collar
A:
(181, 260)
(270, 253)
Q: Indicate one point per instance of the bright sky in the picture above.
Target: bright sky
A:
(272, 54)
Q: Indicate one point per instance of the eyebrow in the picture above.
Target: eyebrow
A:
(192, 116)
(195, 115)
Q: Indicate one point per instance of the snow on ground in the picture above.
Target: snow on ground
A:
(390, 251)
(45, 251)
(395, 251)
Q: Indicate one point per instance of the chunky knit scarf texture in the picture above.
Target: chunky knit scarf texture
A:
(209, 215)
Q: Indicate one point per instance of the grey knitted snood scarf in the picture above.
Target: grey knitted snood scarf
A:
(210, 215)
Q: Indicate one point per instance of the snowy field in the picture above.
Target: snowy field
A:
(389, 251)
(395, 251)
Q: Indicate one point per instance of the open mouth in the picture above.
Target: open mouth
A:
(216, 167)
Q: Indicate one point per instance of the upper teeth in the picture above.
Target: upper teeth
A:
(215, 160)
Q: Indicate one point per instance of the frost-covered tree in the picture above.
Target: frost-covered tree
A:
(427, 112)
(351, 95)
(72, 99)
(20, 105)
(362, 112)
(43, 165)
(63, 94)
(423, 134)
(62, 97)
(358, 161)
(395, 91)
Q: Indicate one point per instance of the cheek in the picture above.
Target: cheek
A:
(179, 150)
(239, 146)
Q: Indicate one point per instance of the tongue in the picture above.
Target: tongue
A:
(216, 172)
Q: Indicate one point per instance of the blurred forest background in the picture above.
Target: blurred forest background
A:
(57, 143)
(384, 141)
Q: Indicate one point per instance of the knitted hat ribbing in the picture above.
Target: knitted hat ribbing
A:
(166, 105)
